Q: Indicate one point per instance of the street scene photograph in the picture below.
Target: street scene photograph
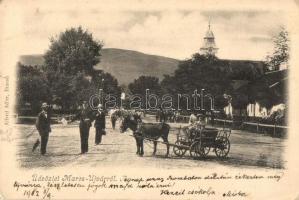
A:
(152, 88)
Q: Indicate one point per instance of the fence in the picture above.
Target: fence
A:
(31, 120)
(274, 130)
(271, 129)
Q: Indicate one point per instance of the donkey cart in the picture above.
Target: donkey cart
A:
(200, 140)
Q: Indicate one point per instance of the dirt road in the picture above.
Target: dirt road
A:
(247, 150)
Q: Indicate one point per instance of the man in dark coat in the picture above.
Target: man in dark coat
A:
(113, 118)
(99, 124)
(162, 116)
(86, 117)
(43, 127)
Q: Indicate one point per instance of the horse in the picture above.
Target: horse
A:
(141, 131)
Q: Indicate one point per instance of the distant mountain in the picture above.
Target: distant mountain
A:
(125, 65)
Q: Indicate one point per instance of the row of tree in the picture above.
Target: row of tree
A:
(67, 76)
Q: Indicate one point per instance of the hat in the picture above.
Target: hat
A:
(44, 105)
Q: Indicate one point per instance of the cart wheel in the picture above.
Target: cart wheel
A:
(195, 150)
(179, 151)
(222, 147)
(224, 133)
(204, 151)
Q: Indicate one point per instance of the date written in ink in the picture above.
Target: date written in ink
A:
(36, 193)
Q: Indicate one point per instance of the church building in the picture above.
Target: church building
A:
(252, 80)
(209, 46)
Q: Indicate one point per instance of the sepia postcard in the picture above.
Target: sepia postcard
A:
(140, 99)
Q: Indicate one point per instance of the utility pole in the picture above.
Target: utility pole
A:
(202, 100)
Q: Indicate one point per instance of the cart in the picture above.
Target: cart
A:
(200, 140)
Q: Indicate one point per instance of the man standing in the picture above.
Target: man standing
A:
(162, 116)
(100, 124)
(85, 116)
(113, 118)
(43, 127)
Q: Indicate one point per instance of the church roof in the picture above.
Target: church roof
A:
(209, 46)
(209, 34)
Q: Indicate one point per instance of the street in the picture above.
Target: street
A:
(247, 150)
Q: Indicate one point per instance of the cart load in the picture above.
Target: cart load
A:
(199, 140)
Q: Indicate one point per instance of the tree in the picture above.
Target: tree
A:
(168, 85)
(68, 76)
(280, 53)
(68, 64)
(107, 82)
(69, 69)
(73, 51)
(200, 72)
(32, 88)
(83, 88)
(142, 83)
(69, 90)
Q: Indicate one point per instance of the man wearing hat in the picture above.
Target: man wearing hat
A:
(43, 127)
(86, 117)
(99, 124)
(201, 119)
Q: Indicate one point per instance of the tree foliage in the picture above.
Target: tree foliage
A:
(73, 51)
(200, 72)
(68, 76)
(139, 86)
(107, 82)
(31, 88)
(280, 53)
(142, 83)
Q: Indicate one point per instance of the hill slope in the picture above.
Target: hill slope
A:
(125, 65)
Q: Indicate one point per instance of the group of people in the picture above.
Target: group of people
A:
(85, 115)
(167, 115)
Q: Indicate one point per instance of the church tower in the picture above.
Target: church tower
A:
(209, 47)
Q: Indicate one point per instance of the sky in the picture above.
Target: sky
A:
(172, 31)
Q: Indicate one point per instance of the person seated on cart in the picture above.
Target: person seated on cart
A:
(192, 119)
(192, 126)
(201, 123)
(196, 126)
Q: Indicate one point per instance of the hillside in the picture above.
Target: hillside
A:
(125, 65)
